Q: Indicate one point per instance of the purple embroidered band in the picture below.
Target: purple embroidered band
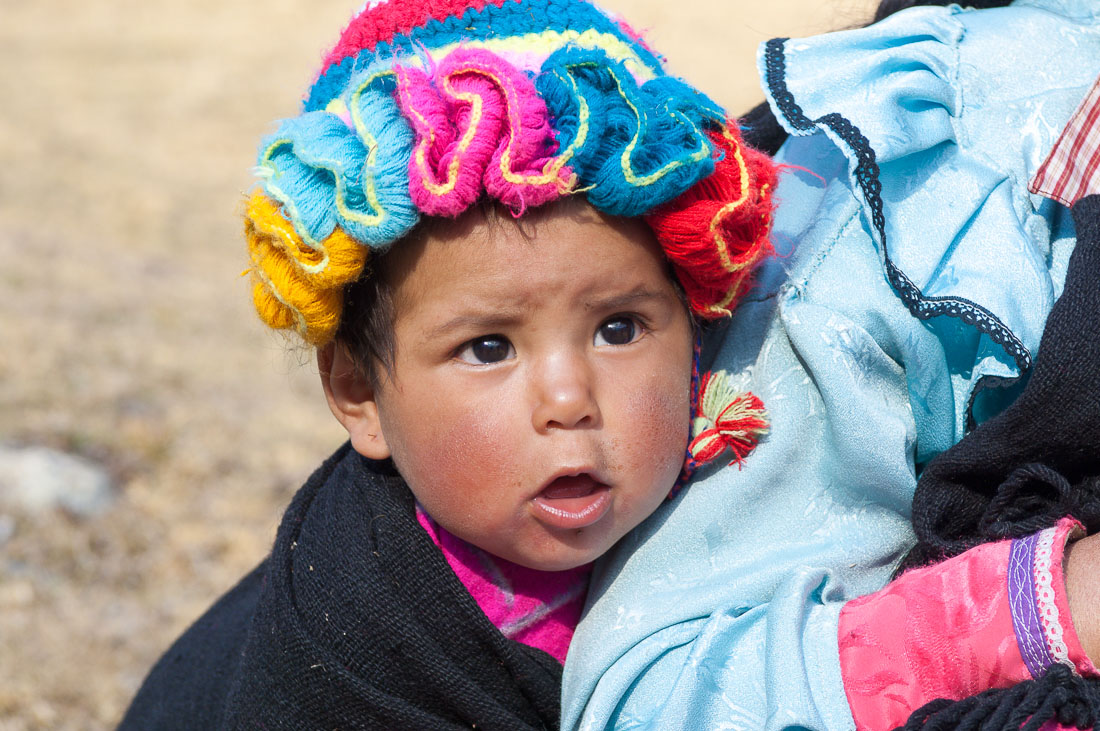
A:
(1021, 600)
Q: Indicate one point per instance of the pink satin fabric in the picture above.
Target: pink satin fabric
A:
(943, 631)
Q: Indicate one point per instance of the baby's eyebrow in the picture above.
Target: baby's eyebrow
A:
(486, 322)
(626, 299)
(507, 317)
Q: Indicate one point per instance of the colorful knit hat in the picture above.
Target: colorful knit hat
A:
(425, 106)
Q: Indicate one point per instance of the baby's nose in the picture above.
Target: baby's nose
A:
(564, 396)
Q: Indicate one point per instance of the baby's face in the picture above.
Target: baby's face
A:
(539, 402)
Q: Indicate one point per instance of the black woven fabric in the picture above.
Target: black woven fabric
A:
(355, 621)
(1059, 696)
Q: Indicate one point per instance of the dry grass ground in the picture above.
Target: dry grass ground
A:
(127, 130)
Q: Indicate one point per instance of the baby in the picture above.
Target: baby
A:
(501, 225)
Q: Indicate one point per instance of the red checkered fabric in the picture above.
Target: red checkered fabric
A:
(1070, 171)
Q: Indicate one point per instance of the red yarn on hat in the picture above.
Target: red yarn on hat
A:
(717, 231)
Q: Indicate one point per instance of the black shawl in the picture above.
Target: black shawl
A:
(355, 621)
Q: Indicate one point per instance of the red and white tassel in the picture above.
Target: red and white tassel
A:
(725, 418)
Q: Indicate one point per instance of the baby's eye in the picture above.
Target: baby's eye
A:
(618, 330)
(486, 350)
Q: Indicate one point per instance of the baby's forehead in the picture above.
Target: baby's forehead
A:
(495, 258)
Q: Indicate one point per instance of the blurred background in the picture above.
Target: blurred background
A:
(151, 431)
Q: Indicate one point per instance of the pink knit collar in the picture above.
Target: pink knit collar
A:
(537, 608)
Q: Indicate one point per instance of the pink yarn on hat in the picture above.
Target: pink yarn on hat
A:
(479, 124)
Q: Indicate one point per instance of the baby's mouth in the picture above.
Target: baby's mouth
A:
(573, 501)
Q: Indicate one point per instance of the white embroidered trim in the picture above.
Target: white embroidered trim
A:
(1044, 598)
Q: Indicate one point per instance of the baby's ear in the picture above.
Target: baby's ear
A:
(351, 398)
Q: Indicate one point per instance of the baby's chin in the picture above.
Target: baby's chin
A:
(559, 551)
(559, 563)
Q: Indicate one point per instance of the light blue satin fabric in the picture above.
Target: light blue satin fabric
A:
(720, 612)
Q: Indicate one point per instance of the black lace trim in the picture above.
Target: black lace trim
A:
(867, 173)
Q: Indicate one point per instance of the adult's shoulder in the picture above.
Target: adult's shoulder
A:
(939, 118)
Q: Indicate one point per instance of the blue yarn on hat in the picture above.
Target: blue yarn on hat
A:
(327, 174)
(641, 145)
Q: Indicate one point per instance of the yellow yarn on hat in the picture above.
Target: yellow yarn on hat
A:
(298, 285)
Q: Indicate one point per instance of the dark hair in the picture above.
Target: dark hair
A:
(366, 324)
(889, 7)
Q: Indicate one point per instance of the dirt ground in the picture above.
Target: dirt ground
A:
(127, 131)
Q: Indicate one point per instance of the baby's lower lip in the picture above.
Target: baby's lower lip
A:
(573, 502)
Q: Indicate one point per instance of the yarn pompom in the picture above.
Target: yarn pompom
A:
(717, 231)
(296, 286)
(725, 419)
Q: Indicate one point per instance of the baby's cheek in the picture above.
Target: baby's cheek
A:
(468, 459)
(660, 418)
